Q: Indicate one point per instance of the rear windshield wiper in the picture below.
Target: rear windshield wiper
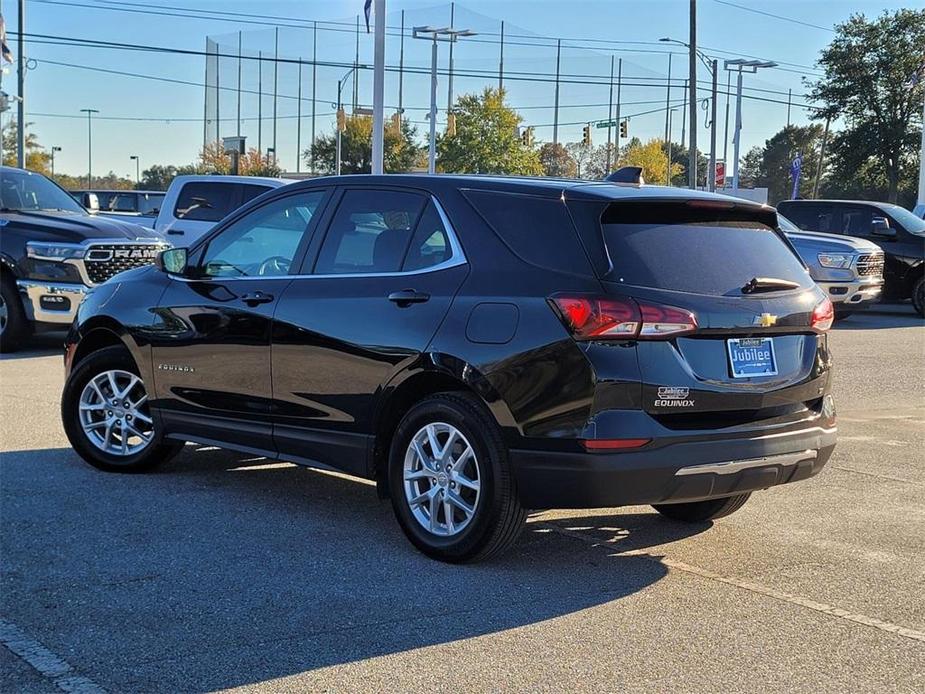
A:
(768, 284)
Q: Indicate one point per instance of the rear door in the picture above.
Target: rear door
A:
(753, 348)
(368, 301)
(201, 205)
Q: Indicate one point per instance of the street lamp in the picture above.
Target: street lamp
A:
(713, 67)
(137, 168)
(448, 35)
(740, 65)
(89, 112)
(53, 150)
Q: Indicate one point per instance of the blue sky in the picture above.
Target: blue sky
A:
(162, 122)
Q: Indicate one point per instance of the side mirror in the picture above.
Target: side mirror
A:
(880, 226)
(92, 202)
(172, 261)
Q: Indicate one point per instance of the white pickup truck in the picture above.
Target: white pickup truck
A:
(194, 204)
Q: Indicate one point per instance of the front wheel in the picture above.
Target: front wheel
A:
(14, 325)
(450, 481)
(918, 296)
(700, 511)
(104, 409)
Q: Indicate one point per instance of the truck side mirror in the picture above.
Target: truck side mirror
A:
(172, 261)
(880, 226)
(92, 202)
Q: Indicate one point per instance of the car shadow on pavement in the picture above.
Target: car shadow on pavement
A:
(892, 316)
(223, 570)
(41, 345)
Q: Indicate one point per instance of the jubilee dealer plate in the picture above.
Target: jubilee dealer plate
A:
(751, 356)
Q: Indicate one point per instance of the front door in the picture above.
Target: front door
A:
(382, 279)
(211, 341)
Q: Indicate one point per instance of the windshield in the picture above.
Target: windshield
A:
(909, 221)
(24, 191)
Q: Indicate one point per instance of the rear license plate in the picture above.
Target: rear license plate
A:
(751, 356)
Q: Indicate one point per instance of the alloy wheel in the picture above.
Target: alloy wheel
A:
(4, 314)
(442, 480)
(114, 413)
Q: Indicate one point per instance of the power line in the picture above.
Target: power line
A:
(775, 16)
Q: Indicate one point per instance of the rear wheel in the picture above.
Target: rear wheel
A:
(699, 511)
(14, 326)
(450, 481)
(918, 296)
(104, 409)
(842, 313)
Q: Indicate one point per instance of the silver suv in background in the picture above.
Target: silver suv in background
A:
(849, 270)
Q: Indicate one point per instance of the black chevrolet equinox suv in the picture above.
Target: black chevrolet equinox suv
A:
(478, 346)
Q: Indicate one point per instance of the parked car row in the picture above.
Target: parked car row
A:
(477, 346)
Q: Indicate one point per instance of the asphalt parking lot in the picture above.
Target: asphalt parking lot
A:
(222, 571)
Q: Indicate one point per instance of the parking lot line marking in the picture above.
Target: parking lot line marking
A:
(753, 587)
(49, 665)
(874, 474)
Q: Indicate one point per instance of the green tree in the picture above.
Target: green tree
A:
(37, 159)
(849, 176)
(158, 177)
(769, 166)
(401, 154)
(486, 139)
(867, 69)
(651, 156)
(557, 161)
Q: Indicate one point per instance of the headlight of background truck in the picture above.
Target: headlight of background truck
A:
(54, 251)
(835, 260)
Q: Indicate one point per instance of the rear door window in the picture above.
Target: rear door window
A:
(665, 247)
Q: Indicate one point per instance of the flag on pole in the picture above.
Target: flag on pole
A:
(367, 8)
(918, 76)
(796, 166)
(5, 52)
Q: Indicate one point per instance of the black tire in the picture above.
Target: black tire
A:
(700, 511)
(15, 327)
(841, 313)
(158, 451)
(498, 517)
(918, 296)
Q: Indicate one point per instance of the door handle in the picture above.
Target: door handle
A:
(255, 298)
(175, 232)
(406, 297)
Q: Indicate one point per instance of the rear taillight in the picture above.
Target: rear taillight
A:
(621, 318)
(823, 316)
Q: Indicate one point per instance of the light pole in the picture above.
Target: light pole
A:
(340, 106)
(89, 112)
(53, 150)
(137, 168)
(740, 65)
(449, 35)
(668, 143)
(713, 67)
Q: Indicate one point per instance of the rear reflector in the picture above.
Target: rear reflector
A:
(597, 445)
(620, 318)
(823, 316)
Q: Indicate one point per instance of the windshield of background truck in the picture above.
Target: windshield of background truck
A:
(25, 191)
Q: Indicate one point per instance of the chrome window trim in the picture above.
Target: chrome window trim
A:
(457, 258)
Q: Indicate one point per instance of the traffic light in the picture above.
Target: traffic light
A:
(396, 123)
(586, 135)
(624, 127)
(341, 120)
(527, 136)
(451, 124)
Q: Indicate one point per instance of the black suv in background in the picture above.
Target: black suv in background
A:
(479, 346)
(895, 229)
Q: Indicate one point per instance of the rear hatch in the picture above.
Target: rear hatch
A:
(730, 324)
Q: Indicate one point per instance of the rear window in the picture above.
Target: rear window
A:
(538, 230)
(701, 252)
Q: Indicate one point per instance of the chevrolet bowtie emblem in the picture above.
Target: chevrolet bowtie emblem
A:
(765, 320)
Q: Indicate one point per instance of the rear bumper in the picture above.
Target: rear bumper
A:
(665, 472)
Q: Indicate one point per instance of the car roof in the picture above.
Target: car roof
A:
(574, 188)
(829, 201)
(222, 178)
(117, 190)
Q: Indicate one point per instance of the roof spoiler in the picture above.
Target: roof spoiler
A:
(627, 174)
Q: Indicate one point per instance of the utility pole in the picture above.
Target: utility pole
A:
(259, 101)
(668, 101)
(555, 118)
(740, 65)
(449, 77)
(275, 83)
(825, 137)
(238, 132)
(314, 81)
(379, 89)
(298, 122)
(501, 60)
(610, 118)
(692, 78)
(21, 86)
(89, 112)
(619, 90)
(726, 128)
(712, 172)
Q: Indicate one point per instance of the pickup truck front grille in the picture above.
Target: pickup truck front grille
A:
(870, 265)
(104, 260)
